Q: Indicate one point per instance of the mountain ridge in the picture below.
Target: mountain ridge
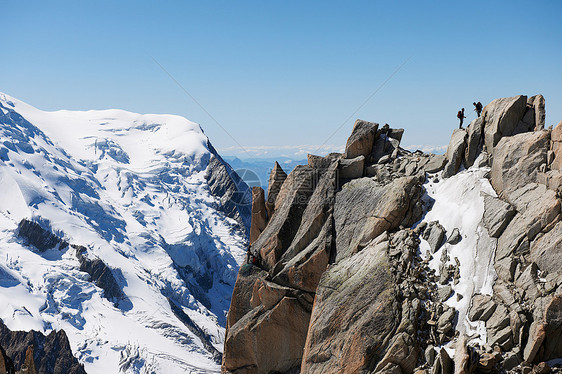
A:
(143, 197)
(382, 260)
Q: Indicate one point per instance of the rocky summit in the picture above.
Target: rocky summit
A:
(383, 260)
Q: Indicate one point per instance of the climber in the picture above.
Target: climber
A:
(461, 117)
(478, 108)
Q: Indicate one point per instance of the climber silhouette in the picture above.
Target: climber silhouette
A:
(478, 108)
(461, 117)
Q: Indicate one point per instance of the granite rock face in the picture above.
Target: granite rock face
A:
(364, 209)
(259, 214)
(556, 147)
(341, 285)
(455, 152)
(360, 143)
(517, 160)
(276, 179)
(501, 118)
(352, 322)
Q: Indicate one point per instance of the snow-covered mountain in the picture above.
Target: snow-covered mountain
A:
(148, 226)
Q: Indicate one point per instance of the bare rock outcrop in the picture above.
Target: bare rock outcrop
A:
(354, 314)
(33, 352)
(290, 204)
(259, 214)
(497, 215)
(276, 179)
(360, 143)
(455, 152)
(501, 118)
(302, 264)
(352, 168)
(473, 141)
(341, 285)
(536, 207)
(364, 209)
(556, 147)
(271, 305)
(517, 160)
(546, 251)
(537, 103)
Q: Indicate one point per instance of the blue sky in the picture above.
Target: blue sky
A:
(281, 77)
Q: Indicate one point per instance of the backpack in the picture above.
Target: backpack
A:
(459, 114)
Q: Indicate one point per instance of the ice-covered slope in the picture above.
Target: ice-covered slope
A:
(458, 203)
(137, 192)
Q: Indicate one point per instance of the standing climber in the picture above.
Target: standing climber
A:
(478, 108)
(461, 117)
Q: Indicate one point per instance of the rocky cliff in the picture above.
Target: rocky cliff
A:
(381, 260)
(32, 352)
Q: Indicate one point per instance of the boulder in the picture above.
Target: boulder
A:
(445, 321)
(455, 153)
(496, 324)
(537, 334)
(497, 215)
(538, 105)
(352, 168)
(360, 143)
(355, 314)
(546, 251)
(517, 159)
(364, 209)
(443, 293)
(474, 138)
(443, 363)
(556, 137)
(434, 234)
(276, 179)
(482, 307)
(537, 207)
(259, 214)
(436, 163)
(319, 162)
(455, 237)
(501, 117)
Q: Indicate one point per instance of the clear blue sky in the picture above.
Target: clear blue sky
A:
(287, 73)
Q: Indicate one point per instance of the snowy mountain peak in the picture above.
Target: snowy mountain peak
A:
(134, 195)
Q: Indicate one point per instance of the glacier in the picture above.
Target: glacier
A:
(148, 198)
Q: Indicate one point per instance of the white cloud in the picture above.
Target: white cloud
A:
(426, 148)
(299, 151)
